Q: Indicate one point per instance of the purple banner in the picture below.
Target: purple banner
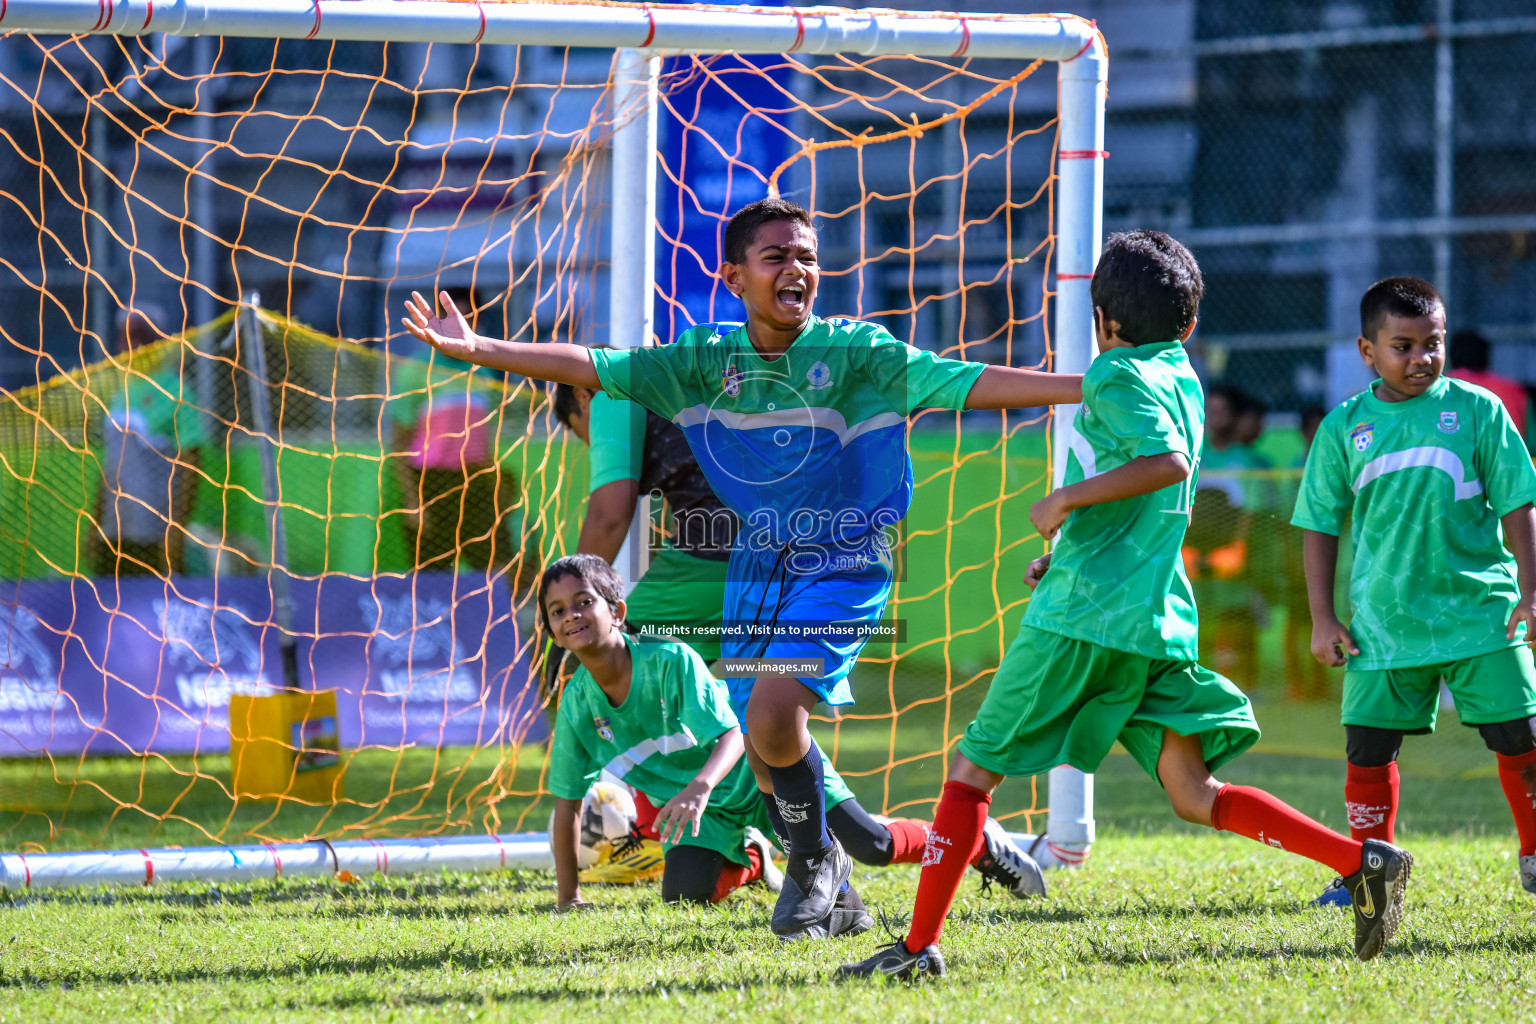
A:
(136, 665)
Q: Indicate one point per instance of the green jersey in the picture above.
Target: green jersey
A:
(1426, 481)
(617, 430)
(1116, 576)
(658, 739)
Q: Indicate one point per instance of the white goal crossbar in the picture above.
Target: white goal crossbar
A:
(641, 34)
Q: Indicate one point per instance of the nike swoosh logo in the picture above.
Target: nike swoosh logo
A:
(1364, 902)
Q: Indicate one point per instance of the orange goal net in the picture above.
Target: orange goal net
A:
(229, 484)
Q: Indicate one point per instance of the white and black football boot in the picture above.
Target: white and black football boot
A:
(1002, 862)
(811, 885)
(773, 878)
(849, 917)
(894, 961)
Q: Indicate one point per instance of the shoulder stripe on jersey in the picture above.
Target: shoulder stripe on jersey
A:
(820, 418)
(1080, 446)
(1428, 457)
(636, 754)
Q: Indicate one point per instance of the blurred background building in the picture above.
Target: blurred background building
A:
(1302, 148)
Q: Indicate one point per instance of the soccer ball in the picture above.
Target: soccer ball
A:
(607, 815)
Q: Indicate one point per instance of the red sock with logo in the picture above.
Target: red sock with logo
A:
(952, 841)
(1370, 801)
(908, 838)
(645, 816)
(1521, 800)
(1254, 813)
(733, 876)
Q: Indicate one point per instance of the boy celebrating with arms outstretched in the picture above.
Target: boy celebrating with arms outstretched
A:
(1107, 648)
(1429, 468)
(799, 424)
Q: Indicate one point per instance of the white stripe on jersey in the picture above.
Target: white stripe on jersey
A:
(814, 416)
(636, 754)
(1428, 457)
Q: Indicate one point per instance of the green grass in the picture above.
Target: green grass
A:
(1166, 922)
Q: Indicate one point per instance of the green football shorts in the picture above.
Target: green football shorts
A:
(736, 804)
(1490, 688)
(682, 596)
(1057, 701)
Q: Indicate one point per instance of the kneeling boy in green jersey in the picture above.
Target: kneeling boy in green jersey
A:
(1428, 468)
(1107, 650)
(647, 710)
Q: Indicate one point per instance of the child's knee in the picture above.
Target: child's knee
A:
(1190, 804)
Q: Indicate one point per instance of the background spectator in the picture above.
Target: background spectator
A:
(150, 440)
(1470, 356)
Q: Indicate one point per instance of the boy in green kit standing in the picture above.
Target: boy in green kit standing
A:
(1107, 650)
(1439, 485)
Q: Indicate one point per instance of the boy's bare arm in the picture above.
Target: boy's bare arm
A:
(1520, 538)
(1330, 638)
(451, 335)
(610, 509)
(562, 841)
(1139, 476)
(1007, 387)
(687, 808)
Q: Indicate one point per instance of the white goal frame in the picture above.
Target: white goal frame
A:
(641, 35)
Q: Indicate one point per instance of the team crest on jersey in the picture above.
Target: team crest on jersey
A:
(604, 729)
(730, 380)
(1362, 435)
(818, 376)
(1448, 424)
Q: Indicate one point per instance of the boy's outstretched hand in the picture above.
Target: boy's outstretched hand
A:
(1048, 514)
(1036, 571)
(683, 810)
(1525, 611)
(449, 334)
(1330, 642)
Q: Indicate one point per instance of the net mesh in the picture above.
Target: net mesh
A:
(225, 477)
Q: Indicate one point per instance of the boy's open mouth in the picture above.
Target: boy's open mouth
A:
(792, 295)
(575, 631)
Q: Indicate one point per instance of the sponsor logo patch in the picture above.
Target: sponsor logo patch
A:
(1362, 435)
(933, 849)
(793, 813)
(1363, 816)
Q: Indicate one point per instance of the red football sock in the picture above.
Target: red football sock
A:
(645, 816)
(952, 842)
(1370, 801)
(734, 876)
(1254, 813)
(1521, 800)
(908, 839)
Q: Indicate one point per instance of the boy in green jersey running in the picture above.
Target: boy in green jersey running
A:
(1107, 650)
(647, 710)
(799, 424)
(1429, 468)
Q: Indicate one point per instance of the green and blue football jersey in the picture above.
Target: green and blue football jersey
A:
(1426, 481)
(1117, 576)
(809, 448)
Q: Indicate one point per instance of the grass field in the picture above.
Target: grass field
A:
(1165, 923)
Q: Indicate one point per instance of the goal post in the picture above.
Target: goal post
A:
(642, 35)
